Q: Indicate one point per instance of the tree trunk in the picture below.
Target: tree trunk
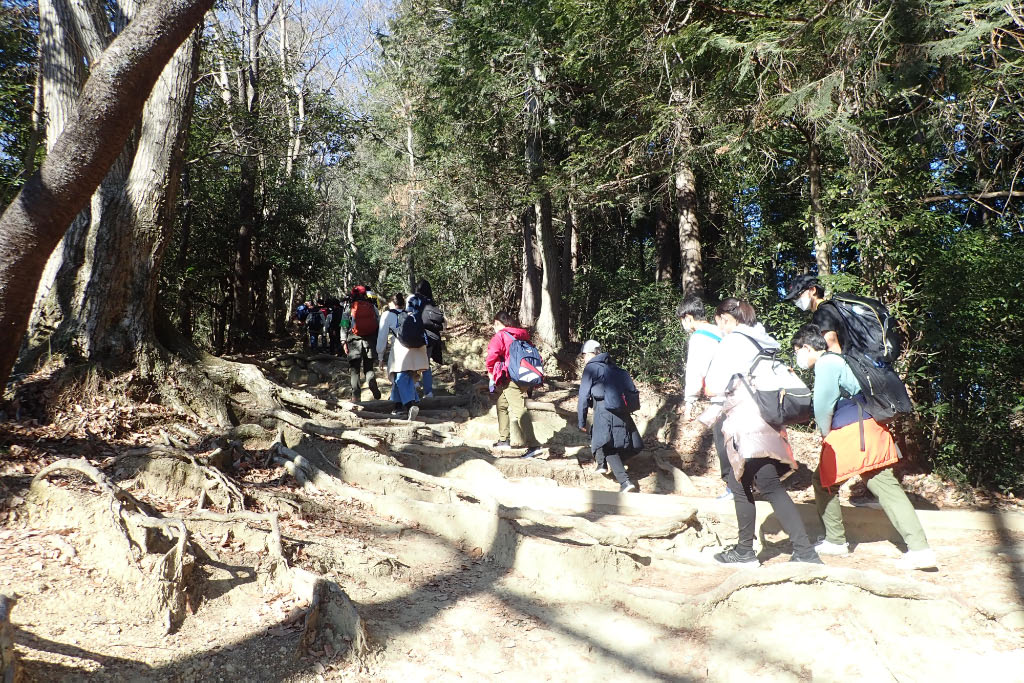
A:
(570, 260)
(550, 329)
(93, 137)
(667, 238)
(822, 249)
(529, 305)
(690, 261)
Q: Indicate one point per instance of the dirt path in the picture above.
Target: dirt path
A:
(466, 565)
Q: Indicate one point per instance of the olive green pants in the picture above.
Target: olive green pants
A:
(514, 423)
(891, 497)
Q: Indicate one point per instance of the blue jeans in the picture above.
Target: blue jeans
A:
(428, 382)
(404, 389)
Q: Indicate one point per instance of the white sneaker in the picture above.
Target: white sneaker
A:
(826, 547)
(918, 559)
(414, 410)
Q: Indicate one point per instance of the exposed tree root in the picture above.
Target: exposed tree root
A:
(214, 484)
(274, 542)
(871, 582)
(681, 482)
(337, 430)
(332, 622)
(10, 670)
(173, 568)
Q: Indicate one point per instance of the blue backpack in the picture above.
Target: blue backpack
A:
(524, 363)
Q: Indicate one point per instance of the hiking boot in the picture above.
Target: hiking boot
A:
(375, 392)
(918, 559)
(602, 468)
(627, 487)
(501, 446)
(732, 555)
(429, 395)
(397, 412)
(827, 547)
(532, 452)
(414, 410)
(810, 558)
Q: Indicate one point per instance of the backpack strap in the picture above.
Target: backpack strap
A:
(712, 335)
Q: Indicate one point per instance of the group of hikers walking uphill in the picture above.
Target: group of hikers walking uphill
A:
(850, 344)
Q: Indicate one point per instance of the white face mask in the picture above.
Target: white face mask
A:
(803, 358)
(804, 301)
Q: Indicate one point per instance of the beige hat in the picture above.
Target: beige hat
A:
(591, 346)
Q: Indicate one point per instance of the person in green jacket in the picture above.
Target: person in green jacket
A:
(854, 443)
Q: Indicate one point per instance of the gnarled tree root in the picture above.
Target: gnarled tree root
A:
(332, 621)
(10, 671)
(130, 518)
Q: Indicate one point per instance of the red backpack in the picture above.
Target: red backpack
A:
(364, 319)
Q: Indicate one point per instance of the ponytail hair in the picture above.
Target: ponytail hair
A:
(739, 309)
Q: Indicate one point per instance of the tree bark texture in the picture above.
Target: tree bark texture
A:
(109, 107)
(691, 268)
(529, 304)
(549, 323)
(667, 238)
(822, 248)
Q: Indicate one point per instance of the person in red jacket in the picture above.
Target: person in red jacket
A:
(515, 428)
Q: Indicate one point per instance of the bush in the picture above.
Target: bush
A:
(641, 332)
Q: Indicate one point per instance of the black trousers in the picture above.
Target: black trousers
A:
(763, 474)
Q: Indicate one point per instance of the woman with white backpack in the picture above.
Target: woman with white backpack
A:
(759, 453)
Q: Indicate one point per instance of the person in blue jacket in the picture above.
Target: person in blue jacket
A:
(613, 436)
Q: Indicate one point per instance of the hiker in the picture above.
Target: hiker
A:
(433, 323)
(335, 314)
(613, 436)
(360, 342)
(515, 427)
(700, 349)
(759, 454)
(315, 320)
(408, 355)
(853, 442)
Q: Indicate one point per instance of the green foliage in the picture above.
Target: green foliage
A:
(18, 27)
(640, 330)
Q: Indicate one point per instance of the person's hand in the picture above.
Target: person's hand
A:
(583, 429)
(344, 347)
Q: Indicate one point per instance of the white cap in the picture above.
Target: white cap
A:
(591, 346)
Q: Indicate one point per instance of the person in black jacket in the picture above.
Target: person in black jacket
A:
(613, 436)
(433, 323)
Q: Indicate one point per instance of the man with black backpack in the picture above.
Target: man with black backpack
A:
(360, 342)
(854, 442)
(863, 331)
(408, 356)
(614, 396)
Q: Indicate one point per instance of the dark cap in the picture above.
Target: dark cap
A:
(798, 284)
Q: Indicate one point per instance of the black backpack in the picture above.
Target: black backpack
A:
(885, 395)
(620, 393)
(409, 330)
(870, 330)
(781, 396)
(433, 318)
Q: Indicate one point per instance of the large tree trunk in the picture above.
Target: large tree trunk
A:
(691, 265)
(570, 260)
(550, 330)
(667, 240)
(822, 248)
(529, 303)
(108, 108)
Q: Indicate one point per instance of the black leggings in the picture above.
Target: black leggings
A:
(763, 474)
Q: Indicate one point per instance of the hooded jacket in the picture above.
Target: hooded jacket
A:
(734, 356)
(610, 430)
(497, 352)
